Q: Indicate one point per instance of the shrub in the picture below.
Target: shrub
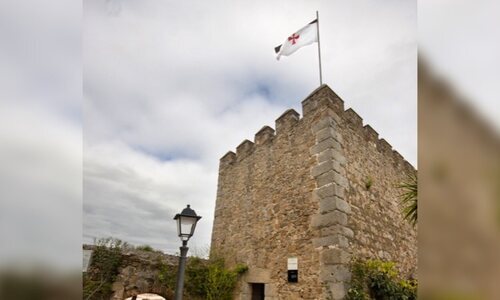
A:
(166, 279)
(221, 281)
(205, 279)
(145, 248)
(196, 277)
(106, 259)
(376, 279)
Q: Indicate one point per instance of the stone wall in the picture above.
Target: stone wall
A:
(138, 273)
(264, 208)
(301, 192)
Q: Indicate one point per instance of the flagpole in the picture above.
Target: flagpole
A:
(319, 50)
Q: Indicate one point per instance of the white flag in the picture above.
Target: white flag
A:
(301, 38)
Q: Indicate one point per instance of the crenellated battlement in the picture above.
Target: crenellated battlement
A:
(321, 100)
(320, 186)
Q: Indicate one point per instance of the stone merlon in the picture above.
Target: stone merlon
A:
(370, 133)
(244, 149)
(286, 120)
(228, 158)
(352, 117)
(264, 135)
(323, 97)
(384, 147)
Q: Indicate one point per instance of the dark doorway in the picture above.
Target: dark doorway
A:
(257, 291)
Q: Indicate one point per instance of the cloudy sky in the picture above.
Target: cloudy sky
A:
(169, 87)
(163, 89)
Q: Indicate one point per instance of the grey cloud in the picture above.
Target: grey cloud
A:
(170, 87)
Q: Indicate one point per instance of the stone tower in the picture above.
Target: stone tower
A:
(309, 196)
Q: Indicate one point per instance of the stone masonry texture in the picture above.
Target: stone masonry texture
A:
(321, 188)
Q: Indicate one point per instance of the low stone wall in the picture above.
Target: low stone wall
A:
(139, 272)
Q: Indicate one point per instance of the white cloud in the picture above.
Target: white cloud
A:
(170, 87)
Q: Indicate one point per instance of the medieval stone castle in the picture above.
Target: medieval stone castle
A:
(301, 200)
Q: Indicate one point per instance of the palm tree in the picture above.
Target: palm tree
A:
(409, 199)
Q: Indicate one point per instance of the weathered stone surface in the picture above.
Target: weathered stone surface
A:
(337, 229)
(338, 290)
(258, 275)
(325, 144)
(335, 256)
(329, 204)
(329, 190)
(335, 273)
(326, 133)
(326, 166)
(323, 123)
(138, 272)
(264, 135)
(332, 240)
(302, 193)
(332, 218)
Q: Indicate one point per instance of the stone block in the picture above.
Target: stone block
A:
(329, 204)
(326, 166)
(325, 133)
(327, 122)
(338, 290)
(329, 191)
(332, 218)
(341, 180)
(329, 143)
(338, 156)
(257, 275)
(337, 229)
(335, 273)
(332, 256)
(270, 290)
(325, 178)
(337, 241)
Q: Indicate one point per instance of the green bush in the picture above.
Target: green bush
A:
(196, 277)
(166, 279)
(221, 281)
(379, 280)
(204, 279)
(106, 259)
(145, 248)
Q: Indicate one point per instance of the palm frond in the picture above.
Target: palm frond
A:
(409, 199)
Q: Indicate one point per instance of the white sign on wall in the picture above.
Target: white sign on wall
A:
(293, 263)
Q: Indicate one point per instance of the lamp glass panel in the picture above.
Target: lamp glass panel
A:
(187, 224)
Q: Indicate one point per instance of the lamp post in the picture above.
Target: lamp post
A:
(186, 223)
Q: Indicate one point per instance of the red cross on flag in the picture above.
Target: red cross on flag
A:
(305, 36)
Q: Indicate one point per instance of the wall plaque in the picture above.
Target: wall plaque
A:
(293, 269)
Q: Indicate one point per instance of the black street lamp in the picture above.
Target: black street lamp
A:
(186, 223)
